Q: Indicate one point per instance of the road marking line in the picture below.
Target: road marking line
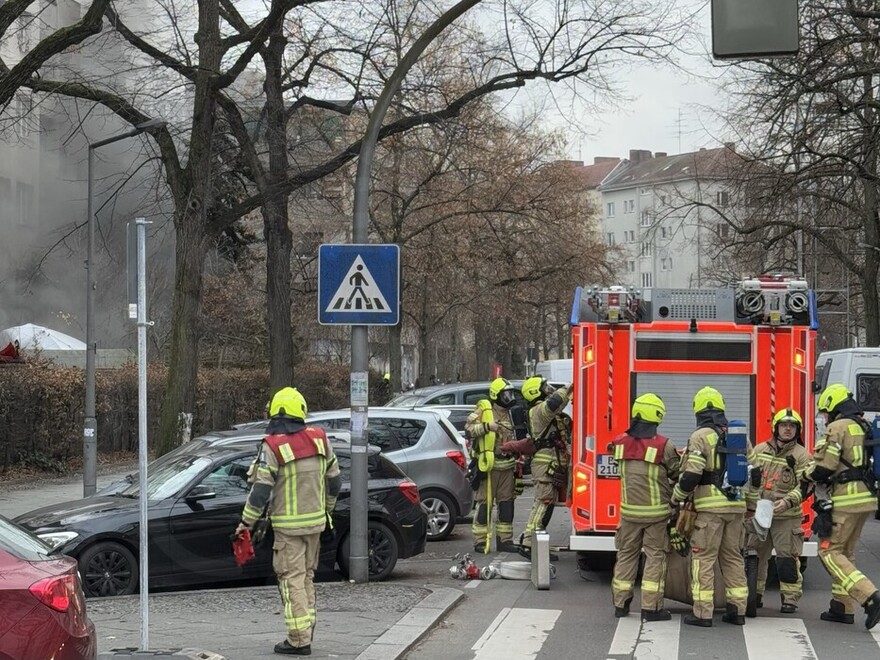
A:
(875, 633)
(472, 584)
(774, 637)
(659, 640)
(516, 633)
(626, 636)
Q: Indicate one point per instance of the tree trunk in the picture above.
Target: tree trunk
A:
(180, 389)
(395, 360)
(276, 227)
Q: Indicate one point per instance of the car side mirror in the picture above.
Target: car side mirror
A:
(200, 493)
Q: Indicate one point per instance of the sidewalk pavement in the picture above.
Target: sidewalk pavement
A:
(378, 621)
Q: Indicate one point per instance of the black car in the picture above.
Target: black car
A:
(196, 495)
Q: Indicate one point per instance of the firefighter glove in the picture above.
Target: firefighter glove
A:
(329, 533)
(559, 478)
(789, 460)
(678, 542)
(822, 524)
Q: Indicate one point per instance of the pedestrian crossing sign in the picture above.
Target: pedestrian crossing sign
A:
(358, 284)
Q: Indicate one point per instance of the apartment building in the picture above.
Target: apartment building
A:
(659, 210)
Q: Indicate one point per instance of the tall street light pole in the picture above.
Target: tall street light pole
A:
(90, 426)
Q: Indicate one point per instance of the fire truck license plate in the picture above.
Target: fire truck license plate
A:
(606, 467)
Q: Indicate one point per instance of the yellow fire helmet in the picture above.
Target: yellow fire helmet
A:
(706, 398)
(832, 396)
(787, 415)
(289, 402)
(533, 387)
(649, 408)
(498, 386)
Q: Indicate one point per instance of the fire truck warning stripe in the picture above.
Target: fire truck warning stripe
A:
(516, 633)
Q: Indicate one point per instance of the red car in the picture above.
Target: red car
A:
(42, 608)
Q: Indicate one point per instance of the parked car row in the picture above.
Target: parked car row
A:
(196, 495)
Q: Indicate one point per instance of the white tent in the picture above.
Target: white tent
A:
(32, 337)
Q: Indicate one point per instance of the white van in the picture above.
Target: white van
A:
(556, 371)
(858, 369)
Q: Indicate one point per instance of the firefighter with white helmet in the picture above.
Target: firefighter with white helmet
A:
(489, 426)
(550, 463)
(649, 466)
(840, 463)
(719, 520)
(778, 467)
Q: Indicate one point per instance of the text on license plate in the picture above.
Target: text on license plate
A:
(606, 467)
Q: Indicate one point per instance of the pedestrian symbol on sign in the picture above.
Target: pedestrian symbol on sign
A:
(358, 291)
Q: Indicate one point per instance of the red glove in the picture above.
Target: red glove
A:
(525, 447)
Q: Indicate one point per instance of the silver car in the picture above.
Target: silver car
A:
(427, 448)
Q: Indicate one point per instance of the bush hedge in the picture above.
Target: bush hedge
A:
(42, 406)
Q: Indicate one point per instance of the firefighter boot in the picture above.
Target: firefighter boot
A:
(731, 616)
(836, 613)
(505, 546)
(693, 620)
(872, 610)
(286, 648)
(656, 615)
(620, 612)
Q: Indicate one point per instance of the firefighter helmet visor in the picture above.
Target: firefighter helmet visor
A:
(787, 415)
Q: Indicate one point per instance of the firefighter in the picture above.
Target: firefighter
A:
(550, 463)
(489, 426)
(840, 464)
(297, 477)
(719, 515)
(649, 466)
(779, 465)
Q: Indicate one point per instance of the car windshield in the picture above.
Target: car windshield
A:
(167, 477)
(21, 543)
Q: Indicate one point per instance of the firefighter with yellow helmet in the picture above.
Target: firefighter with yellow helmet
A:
(649, 466)
(550, 463)
(840, 468)
(719, 515)
(778, 468)
(297, 476)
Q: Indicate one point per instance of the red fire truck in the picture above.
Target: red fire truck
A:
(754, 342)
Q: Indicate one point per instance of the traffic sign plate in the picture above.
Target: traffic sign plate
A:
(358, 284)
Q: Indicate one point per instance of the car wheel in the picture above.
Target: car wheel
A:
(382, 548)
(441, 515)
(108, 569)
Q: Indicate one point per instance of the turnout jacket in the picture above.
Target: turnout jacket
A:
(552, 444)
(477, 427)
(843, 442)
(700, 460)
(779, 480)
(648, 468)
(298, 475)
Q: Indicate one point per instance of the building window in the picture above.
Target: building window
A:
(609, 238)
(647, 280)
(23, 106)
(666, 263)
(663, 233)
(644, 191)
(723, 230)
(631, 266)
(610, 209)
(630, 235)
(629, 206)
(25, 194)
(722, 198)
(646, 218)
(647, 250)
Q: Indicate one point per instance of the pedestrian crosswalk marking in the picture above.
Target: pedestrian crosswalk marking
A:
(516, 633)
(626, 636)
(771, 638)
(659, 640)
(358, 292)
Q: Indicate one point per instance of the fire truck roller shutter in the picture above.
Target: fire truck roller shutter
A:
(677, 392)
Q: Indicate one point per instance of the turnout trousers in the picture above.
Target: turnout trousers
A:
(544, 462)
(786, 536)
(503, 482)
(717, 537)
(631, 538)
(295, 559)
(848, 583)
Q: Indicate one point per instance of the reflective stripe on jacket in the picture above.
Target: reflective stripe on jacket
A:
(648, 468)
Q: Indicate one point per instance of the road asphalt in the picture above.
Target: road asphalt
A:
(377, 621)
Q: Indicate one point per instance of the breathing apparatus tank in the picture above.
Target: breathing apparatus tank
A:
(872, 444)
(737, 453)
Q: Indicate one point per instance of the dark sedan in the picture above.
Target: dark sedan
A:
(196, 494)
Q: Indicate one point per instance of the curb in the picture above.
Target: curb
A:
(415, 624)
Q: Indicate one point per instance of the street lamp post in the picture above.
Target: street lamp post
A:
(90, 426)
